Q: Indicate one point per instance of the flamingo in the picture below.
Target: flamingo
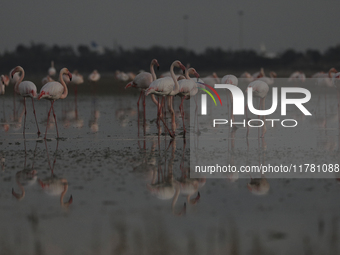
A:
(258, 186)
(187, 89)
(4, 81)
(211, 79)
(258, 74)
(260, 89)
(25, 89)
(232, 80)
(94, 76)
(51, 70)
(53, 185)
(143, 80)
(297, 76)
(54, 90)
(247, 76)
(325, 79)
(268, 80)
(13, 79)
(166, 87)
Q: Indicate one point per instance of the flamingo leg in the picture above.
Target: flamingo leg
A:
(25, 116)
(196, 116)
(48, 118)
(172, 135)
(36, 121)
(139, 99)
(172, 112)
(264, 128)
(55, 119)
(182, 113)
(144, 113)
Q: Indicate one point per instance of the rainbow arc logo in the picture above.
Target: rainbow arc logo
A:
(204, 97)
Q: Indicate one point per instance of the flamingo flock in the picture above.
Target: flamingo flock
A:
(163, 91)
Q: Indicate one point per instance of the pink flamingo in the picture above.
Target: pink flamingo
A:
(25, 89)
(4, 82)
(143, 80)
(166, 87)
(54, 90)
(94, 76)
(269, 80)
(51, 70)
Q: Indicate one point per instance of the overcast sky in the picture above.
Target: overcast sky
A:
(279, 25)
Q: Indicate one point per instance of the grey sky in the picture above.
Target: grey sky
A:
(277, 24)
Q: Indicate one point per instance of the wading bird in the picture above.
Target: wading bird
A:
(54, 90)
(25, 89)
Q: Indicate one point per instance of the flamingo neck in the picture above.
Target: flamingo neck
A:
(152, 70)
(63, 194)
(65, 93)
(187, 71)
(16, 87)
(176, 90)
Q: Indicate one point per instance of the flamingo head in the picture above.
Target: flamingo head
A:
(155, 62)
(5, 79)
(273, 74)
(130, 84)
(193, 71)
(149, 91)
(180, 65)
(261, 74)
(67, 72)
(42, 94)
(15, 70)
(332, 70)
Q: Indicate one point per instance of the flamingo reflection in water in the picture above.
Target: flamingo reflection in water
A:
(260, 186)
(27, 176)
(95, 114)
(53, 185)
(164, 186)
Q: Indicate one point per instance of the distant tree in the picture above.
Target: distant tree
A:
(313, 55)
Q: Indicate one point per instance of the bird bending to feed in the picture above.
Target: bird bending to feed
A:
(54, 90)
(25, 89)
(143, 80)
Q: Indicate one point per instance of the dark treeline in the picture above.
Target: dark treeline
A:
(36, 59)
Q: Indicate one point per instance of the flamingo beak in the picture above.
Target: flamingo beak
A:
(42, 93)
(70, 76)
(128, 85)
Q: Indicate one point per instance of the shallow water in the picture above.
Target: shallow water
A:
(131, 193)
